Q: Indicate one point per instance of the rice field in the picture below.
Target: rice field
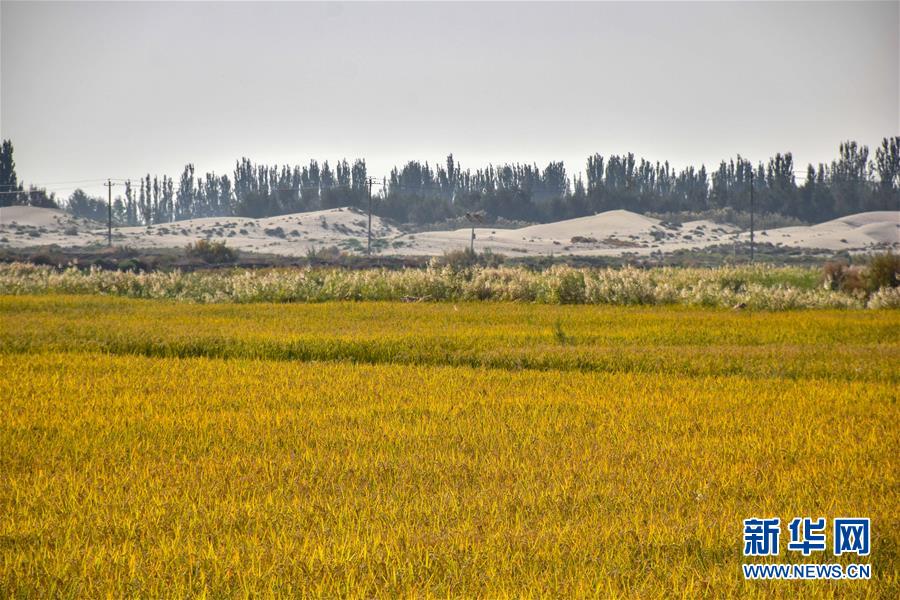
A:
(156, 448)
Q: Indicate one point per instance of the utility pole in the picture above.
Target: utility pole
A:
(751, 214)
(109, 186)
(369, 192)
(474, 218)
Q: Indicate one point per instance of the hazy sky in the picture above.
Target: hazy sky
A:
(91, 90)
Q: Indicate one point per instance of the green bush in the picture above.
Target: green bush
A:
(458, 260)
(212, 252)
(567, 286)
(107, 264)
(324, 254)
(132, 265)
(46, 259)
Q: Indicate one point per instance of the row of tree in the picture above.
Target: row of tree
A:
(420, 193)
(11, 189)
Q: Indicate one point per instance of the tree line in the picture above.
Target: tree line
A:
(420, 193)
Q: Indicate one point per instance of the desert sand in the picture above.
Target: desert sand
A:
(612, 233)
(861, 231)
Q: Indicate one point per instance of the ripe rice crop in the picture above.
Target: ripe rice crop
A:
(678, 340)
(378, 449)
(758, 287)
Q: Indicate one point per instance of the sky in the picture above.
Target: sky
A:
(95, 90)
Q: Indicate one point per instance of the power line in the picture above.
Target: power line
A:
(59, 182)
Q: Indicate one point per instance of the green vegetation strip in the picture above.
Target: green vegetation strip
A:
(755, 287)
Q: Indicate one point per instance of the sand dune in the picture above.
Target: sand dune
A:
(30, 216)
(289, 235)
(619, 221)
(612, 233)
(24, 226)
(861, 231)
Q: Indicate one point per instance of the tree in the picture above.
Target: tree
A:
(131, 213)
(9, 181)
(423, 193)
(849, 178)
(40, 198)
(184, 199)
(144, 202)
(88, 207)
(118, 211)
(781, 187)
(887, 166)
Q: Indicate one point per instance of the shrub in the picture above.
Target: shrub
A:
(834, 272)
(46, 259)
(567, 285)
(580, 239)
(457, 259)
(212, 252)
(324, 253)
(131, 264)
(841, 277)
(734, 284)
(489, 259)
(883, 271)
(106, 264)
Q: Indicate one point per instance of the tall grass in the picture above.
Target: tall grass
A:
(755, 287)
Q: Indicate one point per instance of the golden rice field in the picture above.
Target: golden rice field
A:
(159, 449)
